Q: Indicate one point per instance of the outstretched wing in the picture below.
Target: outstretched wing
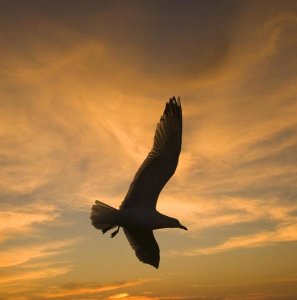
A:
(145, 246)
(161, 162)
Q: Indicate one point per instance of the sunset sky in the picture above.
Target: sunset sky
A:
(82, 87)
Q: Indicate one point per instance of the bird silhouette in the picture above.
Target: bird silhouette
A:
(137, 214)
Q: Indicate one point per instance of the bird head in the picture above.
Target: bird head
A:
(177, 224)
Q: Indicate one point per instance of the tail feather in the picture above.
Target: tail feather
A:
(103, 216)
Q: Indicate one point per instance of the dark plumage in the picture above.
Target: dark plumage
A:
(137, 214)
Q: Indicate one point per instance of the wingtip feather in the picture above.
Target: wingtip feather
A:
(155, 264)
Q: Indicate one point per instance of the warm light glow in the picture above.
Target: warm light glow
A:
(83, 85)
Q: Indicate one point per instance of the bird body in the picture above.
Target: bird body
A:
(146, 219)
(137, 214)
(140, 218)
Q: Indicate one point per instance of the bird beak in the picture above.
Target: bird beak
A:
(183, 227)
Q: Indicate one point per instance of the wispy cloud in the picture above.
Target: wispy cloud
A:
(285, 233)
(230, 212)
(227, 211)
(19, 277)
(143, 297)
(19, 255)
(15, 221)
(119, 296)
(85, 289)
(80, 99)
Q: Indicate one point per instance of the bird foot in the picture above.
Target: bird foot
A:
(115, 233)
(106, 229)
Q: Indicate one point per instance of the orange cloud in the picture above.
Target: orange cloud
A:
(127, 297)
(119, 296)
(19, 255)
(285, 233)
(14, 222)
(87, 289)
(80, 102)
(32, 275)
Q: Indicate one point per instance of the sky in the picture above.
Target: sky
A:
(82, 87)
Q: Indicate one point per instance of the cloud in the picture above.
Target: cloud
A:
(86, 289)
(83, 116)
(16, 221)
(32, 275)
(260, 296)
(259, 222)
(118, 296)
(20, 255)
(285, 233)
(25, 267)
(80, 99)
(141, 297)
(218, 212)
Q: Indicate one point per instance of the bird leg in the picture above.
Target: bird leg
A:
(107, 228)
(115, 232)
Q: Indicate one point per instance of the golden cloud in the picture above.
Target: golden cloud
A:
(32, 275)
(20, 255)
(80, 102)
(16, 221)
(87, 289)
(285, 233)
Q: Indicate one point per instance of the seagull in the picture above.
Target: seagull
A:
(137, 214)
